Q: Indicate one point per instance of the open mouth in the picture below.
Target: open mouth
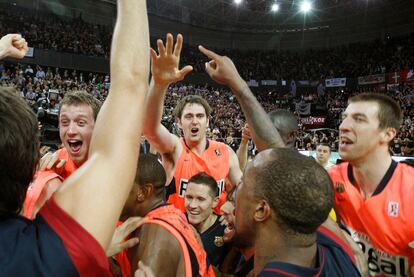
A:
(229, 229)
(229, 232)
(193, 213)
(345, 142)
(75, 146)
(194, 131)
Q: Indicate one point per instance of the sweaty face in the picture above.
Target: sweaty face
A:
(75, 128)
(194, 123)
(323, 153)
(359, 132)
(199, 203)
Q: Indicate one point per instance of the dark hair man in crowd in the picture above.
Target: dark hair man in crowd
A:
(69, 238)
(200, 200)
(323, 154)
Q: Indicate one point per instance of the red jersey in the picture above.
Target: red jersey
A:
(214, 161)
(42, 177)
(383, 225)
(175, 222)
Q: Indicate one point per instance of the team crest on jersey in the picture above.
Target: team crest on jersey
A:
(218, 152)
(218, 241)
(339, 187)
(393, 208)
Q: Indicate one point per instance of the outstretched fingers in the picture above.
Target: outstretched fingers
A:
(178, 45)
(210, 54)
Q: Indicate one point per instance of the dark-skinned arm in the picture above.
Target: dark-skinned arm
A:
(159, 250)
(223, 71)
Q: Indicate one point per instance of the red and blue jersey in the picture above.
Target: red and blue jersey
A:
(53, 244)
(334, 258)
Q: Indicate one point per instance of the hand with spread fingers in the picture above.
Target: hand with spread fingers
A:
(118, 242)
(222, 70)
(13, 46)
(51, 161)
(165, 65)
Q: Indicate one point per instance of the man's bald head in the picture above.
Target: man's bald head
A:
(287, 125)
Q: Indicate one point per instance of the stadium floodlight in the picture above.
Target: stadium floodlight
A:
(305, 6)
(238, 1)
(275, 7)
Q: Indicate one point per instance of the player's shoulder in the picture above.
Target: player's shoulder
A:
(407, 165)
(338, 170)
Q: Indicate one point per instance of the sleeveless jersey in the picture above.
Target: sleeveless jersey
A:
(383, 225)
(175, 222)
(69, 166)
(214, 161)
(42, 177)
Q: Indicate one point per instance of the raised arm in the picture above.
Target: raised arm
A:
(95, 194)
(235, 173)
(241, 152)
(165, 71)
(222, 70)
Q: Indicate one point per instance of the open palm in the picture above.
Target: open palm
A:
(165, 65)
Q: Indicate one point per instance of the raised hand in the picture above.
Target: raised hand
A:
(246, 135)
(165, 65)
(222, 70)
(13, 46)
(52, 161)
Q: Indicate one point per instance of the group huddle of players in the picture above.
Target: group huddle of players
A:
(97, 207)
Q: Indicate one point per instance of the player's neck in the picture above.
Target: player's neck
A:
(203, 226)
(369, 173)
(152, 205)
(197, 147)
(287, 249)
(323, 164)
(247, 252)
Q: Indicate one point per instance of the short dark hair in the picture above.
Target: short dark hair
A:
(389, 111)
(191, 99)
(151, 171)
(203, 178)
(286, 124)
(19, 148)
(323, 144)
(80, 97)
(297, 189)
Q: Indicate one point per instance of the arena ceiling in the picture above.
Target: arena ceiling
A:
(256, 15)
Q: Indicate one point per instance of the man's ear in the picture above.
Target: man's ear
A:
(144, 192)
(215, 202)
(262, 211)
(388, 135)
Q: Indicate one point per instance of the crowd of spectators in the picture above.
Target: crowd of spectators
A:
(47, 31)
(35, 83)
